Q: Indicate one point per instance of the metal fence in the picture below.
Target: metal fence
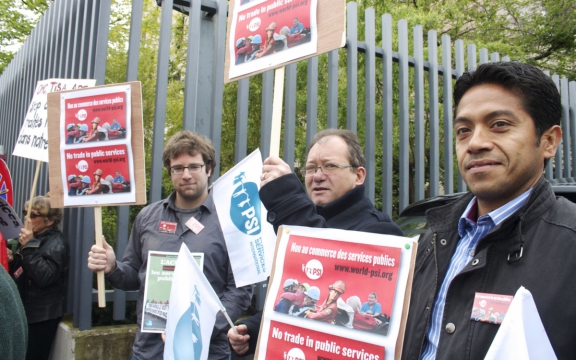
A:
(411, 118)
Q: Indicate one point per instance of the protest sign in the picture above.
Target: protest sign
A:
(97, 147)
(6, 191)
(159, 276)
(192, 312)
(249, 237)
(267, 34)
(347, 273)
(10, 223)
(32, 141)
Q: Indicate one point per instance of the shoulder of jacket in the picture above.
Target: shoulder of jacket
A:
(562, 214)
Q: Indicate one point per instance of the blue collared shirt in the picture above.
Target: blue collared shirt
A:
(470, 233)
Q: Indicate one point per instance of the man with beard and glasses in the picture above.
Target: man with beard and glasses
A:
(189, 159)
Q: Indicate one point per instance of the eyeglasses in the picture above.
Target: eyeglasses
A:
(32, 215)
(326, 169)
(192, 169)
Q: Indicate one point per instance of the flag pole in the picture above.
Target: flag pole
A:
(223, 309)
(28, 224)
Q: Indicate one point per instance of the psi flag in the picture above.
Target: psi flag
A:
(192, 311)
(249, 237)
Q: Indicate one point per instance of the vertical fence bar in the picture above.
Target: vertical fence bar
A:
(312, 99)
(560, 150)
(290, 114)
(434, 114)
(160, 101)
(565, 127)
(471, 57)
(483, 56)
(332, 110)
(241, 143)
(370, 103)
(403, 117)
(572, 93)
(419, 128)
(352, 67)
(101, 46)
(447, 95)
(548, 168)
(218, 80)
(266, 112)
(459, 55)
(192, 67)
(495, 57)
(387, 114)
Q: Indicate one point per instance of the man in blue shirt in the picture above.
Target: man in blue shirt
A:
(119, 179)
(115, 125)
(297, 27)
(508, 231)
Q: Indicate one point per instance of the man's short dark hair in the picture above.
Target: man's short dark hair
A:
(355, 153)
(187, 142)
(537, 92)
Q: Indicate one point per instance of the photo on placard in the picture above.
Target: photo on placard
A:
(267, 33)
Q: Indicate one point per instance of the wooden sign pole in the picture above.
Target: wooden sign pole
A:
(28, 224)
(99, 274)
(277, 111)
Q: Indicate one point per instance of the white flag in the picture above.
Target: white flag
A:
(250, 239)
(192, 312)
(521, 335)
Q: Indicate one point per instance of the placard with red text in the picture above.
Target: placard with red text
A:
(95, 143)
(350, 298)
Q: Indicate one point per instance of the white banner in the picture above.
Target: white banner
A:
(10, 224)
(32, 142)
(192, 311)
(250, 239)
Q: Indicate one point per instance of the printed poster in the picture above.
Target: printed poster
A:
(159, 274)
(249, 237)
(354, 287)
(32, 141)
(268, 33)
(95, 144)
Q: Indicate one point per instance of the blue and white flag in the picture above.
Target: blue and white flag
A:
(192, 312)
(250, 239)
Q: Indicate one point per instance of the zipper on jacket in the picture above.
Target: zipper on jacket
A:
(430, 311)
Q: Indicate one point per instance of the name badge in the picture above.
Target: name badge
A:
(18, 272)
(490, 308)
(194, 225)
(167, 227)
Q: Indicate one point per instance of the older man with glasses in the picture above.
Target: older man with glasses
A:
(333, 197)
(187, 216)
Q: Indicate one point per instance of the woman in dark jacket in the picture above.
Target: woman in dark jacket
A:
(40, 269)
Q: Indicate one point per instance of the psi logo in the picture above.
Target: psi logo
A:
(245, 206)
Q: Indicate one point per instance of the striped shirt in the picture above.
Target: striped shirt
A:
(470, 233)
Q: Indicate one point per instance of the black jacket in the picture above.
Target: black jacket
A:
(535, 247)
(288, 203)
(44, 261)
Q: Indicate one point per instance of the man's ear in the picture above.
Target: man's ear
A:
(550, 140)
(360, 175)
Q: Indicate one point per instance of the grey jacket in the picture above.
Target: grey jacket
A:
(535, 248)
(131, 271)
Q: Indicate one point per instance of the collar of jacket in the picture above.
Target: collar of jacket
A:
(345, 201)
(445, 218)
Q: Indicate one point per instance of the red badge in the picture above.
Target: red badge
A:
(167, 227)
(194, 225)
(490, 308)
(18, 272)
